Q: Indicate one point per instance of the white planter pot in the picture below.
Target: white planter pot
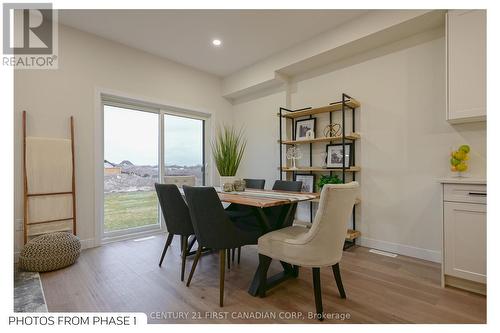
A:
(227, 179)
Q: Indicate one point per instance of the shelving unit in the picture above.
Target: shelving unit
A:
(352, 137)
(320, 169)
(290, 116)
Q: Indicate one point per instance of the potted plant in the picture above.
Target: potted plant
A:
(328, 180)
(227, 150)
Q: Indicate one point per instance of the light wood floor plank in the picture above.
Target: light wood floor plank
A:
(125, 276)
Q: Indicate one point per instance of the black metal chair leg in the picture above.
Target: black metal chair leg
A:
(317, 293)
(228, 253)
(239, 255)
(264, 263)
(184, 254)
(232, 255)
(338, 279)
(195, 262)
(222, 264)
(167, 244)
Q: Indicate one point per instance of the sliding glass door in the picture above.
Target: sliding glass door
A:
(130, 170)
(144, 146)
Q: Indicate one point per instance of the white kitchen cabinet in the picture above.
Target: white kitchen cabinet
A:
(466, 65)
(464, 236)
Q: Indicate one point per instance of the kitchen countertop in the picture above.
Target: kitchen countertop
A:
(463, 180)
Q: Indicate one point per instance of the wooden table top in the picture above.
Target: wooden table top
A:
(264, 198)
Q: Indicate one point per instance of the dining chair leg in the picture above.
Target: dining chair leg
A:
(264, 263)
(338, 279)
(239, 255)
(184, 255)
(222, 264)
(195, 262)
(167, 244)
(232, 255)
(228, 251)
(317, 293)
(295, 269)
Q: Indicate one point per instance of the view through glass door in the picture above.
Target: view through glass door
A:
(130, 170)
(133, 143)
(184, 153)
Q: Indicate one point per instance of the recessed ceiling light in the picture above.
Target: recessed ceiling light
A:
(217, 42)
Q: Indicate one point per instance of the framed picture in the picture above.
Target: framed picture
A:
(307, 182)
(303, 126)
(335, 156)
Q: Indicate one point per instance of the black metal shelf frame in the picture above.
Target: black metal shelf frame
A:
(345, 108)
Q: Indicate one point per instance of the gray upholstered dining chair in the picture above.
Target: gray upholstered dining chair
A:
(214, 229)
(319, 246)
(287, 185)
(176, 215)
(255, 183)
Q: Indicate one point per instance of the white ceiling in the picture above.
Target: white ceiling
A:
(185, 36)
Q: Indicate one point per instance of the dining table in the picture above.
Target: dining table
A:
(284, 203)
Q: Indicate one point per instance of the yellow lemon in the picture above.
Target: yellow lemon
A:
(454, 161)
(461, 167)
(464, 148)
(459, 155)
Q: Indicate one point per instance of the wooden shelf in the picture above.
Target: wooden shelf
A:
(330, 108)
(320, 169)
(352, 234)
(352, 136)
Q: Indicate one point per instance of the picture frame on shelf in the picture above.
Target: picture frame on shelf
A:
(308, 182)
(303, 126)
(335, 156)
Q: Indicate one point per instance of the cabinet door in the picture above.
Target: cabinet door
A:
(466, 58)
(465, 241)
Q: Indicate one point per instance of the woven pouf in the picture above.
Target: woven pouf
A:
(50, 252)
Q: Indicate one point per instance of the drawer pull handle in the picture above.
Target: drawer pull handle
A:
(478, 193)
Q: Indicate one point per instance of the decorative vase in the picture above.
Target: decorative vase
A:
(228, 187)
(239, 185)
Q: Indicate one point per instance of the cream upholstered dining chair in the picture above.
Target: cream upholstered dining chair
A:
(319, 246)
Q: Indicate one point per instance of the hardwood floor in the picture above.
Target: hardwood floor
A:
(125, 276)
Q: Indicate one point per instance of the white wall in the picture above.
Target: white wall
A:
(258, 118)
(405, 141)
(87, 62)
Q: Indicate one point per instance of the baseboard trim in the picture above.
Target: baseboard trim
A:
(406, 250)
(86, 244)
(475, 287)
(135, 235)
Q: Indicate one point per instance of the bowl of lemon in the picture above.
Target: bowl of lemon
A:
(458, 160)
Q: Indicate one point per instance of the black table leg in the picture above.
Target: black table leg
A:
(190, 246)
(262, 219)
(288, 270)
(270, 282)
